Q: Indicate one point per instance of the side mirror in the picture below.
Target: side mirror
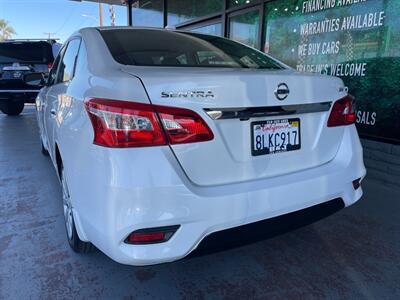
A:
(35, 79)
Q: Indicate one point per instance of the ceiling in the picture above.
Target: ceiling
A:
(115, 2)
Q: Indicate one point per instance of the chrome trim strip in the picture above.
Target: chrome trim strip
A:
(266, 111)
(19, 91)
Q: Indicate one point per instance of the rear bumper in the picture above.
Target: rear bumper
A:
(26, 96)
(253, 232)
(18, 91)
(157, 193)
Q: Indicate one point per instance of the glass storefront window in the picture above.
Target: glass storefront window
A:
(233, 3)
(180, 11)
(148, 13)
(357, 41)
(244, 28)
(213, 29)
(120, 11)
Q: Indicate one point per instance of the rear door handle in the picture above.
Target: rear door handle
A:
(53, 112)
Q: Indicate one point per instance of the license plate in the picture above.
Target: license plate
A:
(17, 74)
(275, 136)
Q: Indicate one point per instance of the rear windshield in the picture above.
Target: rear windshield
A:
(147, 47)
(25, 52)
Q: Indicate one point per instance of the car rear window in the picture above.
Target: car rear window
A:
(25, 52)
(148, 47)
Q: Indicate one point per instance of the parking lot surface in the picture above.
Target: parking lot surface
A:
(354, 254)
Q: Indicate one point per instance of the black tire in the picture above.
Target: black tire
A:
(74, 241)
(44, 151)
(80, 246)
(12, 108)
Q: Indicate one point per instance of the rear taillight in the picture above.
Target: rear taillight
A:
(124, 124)
(183, 125)
(130, 124)
(342, 112)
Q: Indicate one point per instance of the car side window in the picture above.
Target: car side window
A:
(67, 64)
(81, 61)
(53, 71)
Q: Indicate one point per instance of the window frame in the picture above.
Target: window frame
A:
(163, 13)
(241, 12)
(59, 80)
(224, 16)
(78, 55)
(55, 67)
(194, 20)
(207, 23)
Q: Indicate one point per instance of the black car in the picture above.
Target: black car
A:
(17, 59)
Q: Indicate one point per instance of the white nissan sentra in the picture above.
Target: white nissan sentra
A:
(163, 140)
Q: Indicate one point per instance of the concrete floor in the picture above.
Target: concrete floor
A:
(354, 254)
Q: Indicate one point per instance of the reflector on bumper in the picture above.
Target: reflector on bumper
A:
(151, 235)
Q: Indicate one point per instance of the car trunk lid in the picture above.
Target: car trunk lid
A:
(230, 100)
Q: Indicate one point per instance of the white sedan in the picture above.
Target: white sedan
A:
(164, 140)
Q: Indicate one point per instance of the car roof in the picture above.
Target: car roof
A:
(136, 28)
(51, 41)
(112, 28)
(105, 28)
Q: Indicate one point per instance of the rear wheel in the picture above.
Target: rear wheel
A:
(73, 239)
(12, 108)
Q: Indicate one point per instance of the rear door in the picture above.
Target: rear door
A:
(57, 90)
(41, 101)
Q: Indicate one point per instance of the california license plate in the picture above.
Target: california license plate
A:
(17, 74)
(275, 136)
